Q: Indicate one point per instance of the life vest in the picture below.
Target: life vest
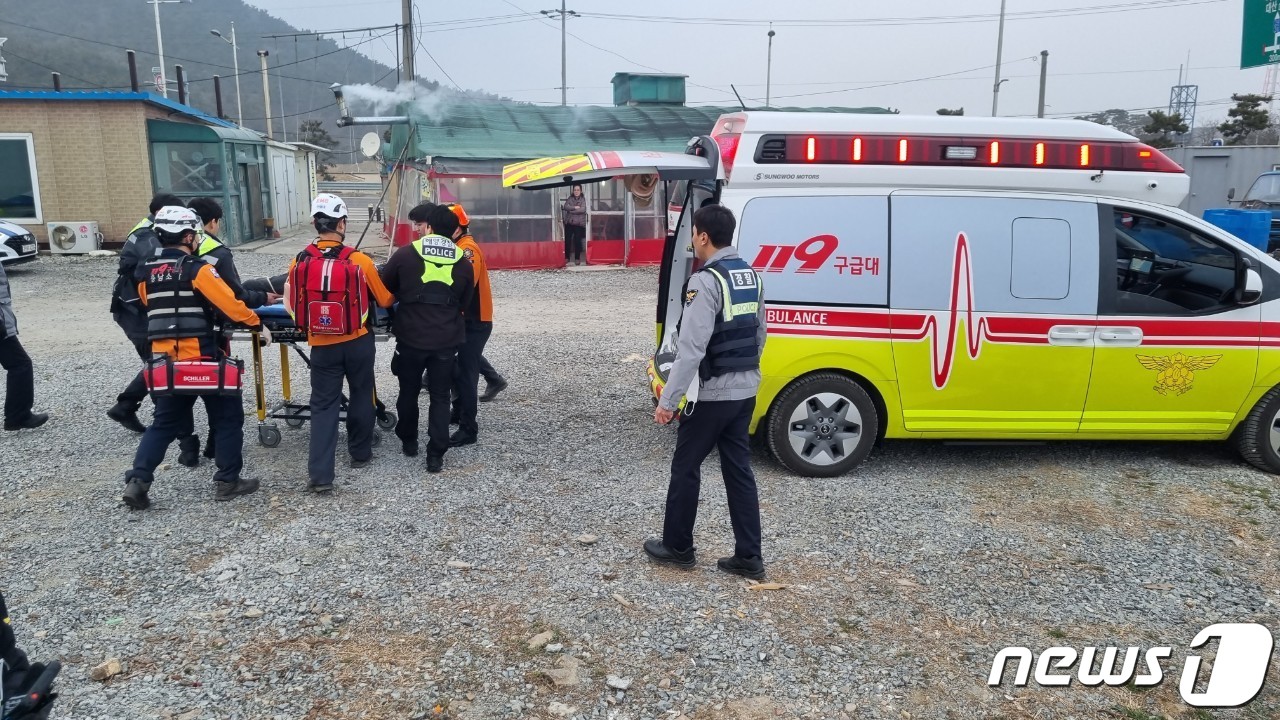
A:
(439, 254)
(175, 311)
(734, 346)
(330, 292)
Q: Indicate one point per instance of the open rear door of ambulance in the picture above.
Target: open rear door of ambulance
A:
(696, 174)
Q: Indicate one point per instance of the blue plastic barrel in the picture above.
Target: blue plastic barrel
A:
(1251, 226)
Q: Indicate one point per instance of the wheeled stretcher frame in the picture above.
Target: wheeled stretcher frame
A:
(287, 335)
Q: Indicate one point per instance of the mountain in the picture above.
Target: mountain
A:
(85, 40)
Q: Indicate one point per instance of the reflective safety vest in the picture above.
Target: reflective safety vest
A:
(439, 254)
(145, 222)
(207, 245)
(175, 310)
(734, 346)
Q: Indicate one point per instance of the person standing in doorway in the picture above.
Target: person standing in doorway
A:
(574, 214)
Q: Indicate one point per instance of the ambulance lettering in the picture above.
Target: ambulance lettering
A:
(812, 254)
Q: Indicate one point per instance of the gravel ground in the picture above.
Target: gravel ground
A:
(414, 596)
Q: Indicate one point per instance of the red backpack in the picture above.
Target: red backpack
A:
(330, 294)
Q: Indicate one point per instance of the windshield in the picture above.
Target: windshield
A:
(1265, 189)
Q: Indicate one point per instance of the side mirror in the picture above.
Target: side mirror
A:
(1252, 291)
(1231, 194)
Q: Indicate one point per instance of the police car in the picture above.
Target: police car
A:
(971, 278)
(17, 244)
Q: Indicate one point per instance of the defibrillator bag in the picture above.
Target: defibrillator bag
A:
(204, 376)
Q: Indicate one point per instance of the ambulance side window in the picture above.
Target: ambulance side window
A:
(1040, 263)
(1166, 269)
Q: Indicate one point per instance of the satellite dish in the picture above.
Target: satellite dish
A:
(370, 144)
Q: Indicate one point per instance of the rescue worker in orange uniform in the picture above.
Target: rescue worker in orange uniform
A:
(338, 357)
(479, 325)
(181, 293)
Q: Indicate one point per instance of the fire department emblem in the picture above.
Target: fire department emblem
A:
(1175, 373)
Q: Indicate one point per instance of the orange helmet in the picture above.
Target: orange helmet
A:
(463, 220)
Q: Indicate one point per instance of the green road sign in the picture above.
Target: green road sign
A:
(1260, 43)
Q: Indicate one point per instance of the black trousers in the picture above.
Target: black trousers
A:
(723, 426)
(487, 371)
(575, 237)
(20, 380)
(330, 365)
(173, 416)
(412, 367)
(136, 391)
(467, 376)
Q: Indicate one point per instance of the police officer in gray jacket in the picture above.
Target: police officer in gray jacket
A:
(20, 379)
(721, 336)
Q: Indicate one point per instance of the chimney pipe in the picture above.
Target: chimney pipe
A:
(217, 95)
(133, 71)
(182, 86)
(57, 82)
(345, 119)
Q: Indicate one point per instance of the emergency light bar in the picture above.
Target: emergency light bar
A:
(802, 149)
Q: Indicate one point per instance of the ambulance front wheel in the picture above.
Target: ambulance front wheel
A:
(822, 425)
(1258, 437)
(268, 436)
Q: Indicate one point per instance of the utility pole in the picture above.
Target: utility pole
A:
(164, 84)
(1044, 78)
(266, 89)
(564, 15)
(406, 17)
(995, 94)
(284, 126)
(768, 75)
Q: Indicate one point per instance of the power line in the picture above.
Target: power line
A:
(615, 54)
(201, 62)
(418, 39)
(922, 20)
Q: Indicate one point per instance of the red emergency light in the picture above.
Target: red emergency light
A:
(780, 149)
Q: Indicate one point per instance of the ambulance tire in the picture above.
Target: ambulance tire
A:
(842, 395)
(1253, 438)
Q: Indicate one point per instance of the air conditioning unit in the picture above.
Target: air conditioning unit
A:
(71, 238)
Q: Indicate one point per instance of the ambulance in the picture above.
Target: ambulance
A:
(957, 278)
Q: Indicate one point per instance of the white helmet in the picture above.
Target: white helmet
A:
(329, 206)
(176, 220)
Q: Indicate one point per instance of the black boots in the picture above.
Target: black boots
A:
(127, 415)
(491, 389)
(33, 421)
(189, 448)
(229, 490)
(746, 567)
(655, 549)
(135, 494)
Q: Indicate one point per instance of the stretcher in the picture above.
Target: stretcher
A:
(288, 336)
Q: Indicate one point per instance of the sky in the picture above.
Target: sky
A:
(912, 55)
